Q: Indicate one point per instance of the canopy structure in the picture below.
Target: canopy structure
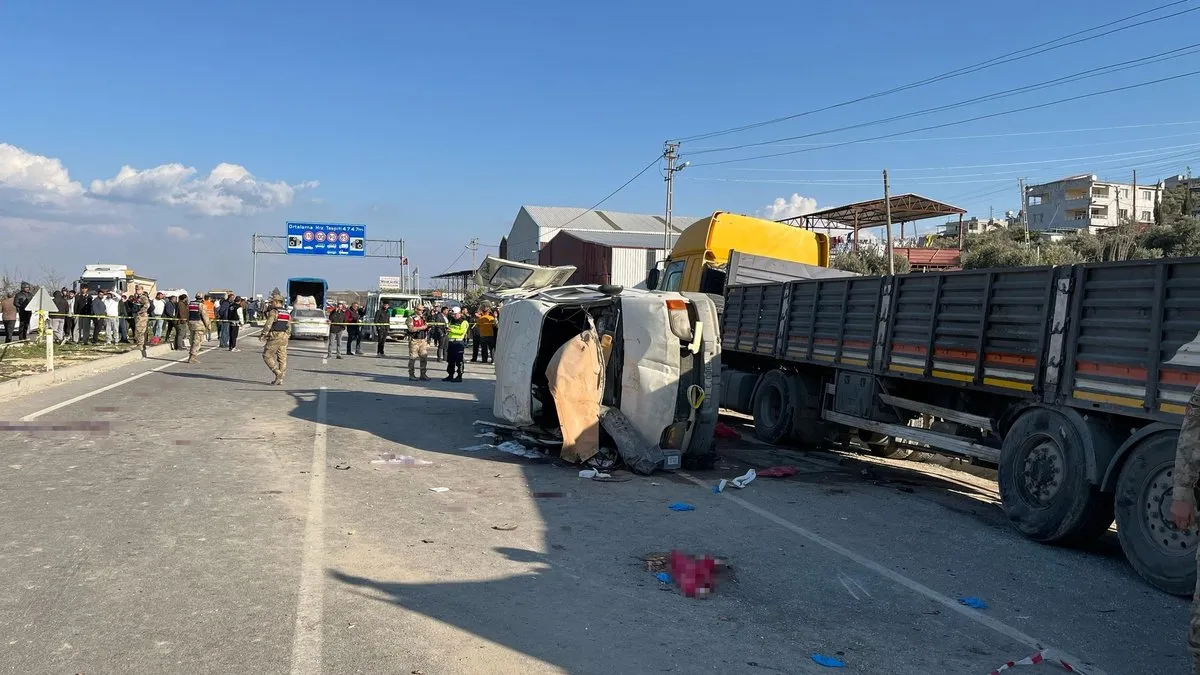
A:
(905, 208)
(456, 285)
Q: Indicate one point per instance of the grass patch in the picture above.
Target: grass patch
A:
(18, 360)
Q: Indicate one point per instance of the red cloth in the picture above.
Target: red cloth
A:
(779, 472)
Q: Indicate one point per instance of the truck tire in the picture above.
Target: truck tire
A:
(808, 429)
(1043, 481)
(773, 408)
(1159, 552)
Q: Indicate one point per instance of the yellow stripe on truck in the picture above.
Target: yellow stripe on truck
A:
(1108, 398)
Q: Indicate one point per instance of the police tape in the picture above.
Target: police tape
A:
(174, 319)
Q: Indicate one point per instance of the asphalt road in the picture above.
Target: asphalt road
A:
(209, 527)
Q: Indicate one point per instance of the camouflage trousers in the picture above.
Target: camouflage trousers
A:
(417, 350)
(1194, 625)
(275, 353)
(140, 325)
(196, 328)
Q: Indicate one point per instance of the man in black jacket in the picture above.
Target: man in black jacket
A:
(383, 317)
(22, 300)
(83, 311)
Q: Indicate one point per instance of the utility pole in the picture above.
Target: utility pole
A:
(671, 153)
(473, 246)
(403, 271)
(887, 207)
(1135, 213)
(1024, 208)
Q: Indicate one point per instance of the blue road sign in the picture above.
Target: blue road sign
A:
(326, 239)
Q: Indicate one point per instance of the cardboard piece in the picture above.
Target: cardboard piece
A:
(576, 378)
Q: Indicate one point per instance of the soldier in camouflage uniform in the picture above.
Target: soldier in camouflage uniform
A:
(1183, 504)
(198, 325)
(141, 320)
(275, 334)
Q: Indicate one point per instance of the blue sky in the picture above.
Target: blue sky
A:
(434, 122)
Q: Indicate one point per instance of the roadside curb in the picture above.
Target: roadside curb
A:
(36, 382)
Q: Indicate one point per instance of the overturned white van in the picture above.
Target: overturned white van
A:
(661, 358)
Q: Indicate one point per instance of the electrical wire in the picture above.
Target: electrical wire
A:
(1073, 77)
(943, 125)
(965, 70)
(460, 255)
(610, 195)
(1008, 134)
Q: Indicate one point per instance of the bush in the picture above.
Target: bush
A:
(869, 260)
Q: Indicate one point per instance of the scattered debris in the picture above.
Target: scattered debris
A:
(639, 455)
(342, 466)
(694, 576)
(514, 448)
(663, 577)
(779, 472)
(495, 425)
(828, 661)
(477, 448)
(426, 541)
(506, 527)
(973, 603)
(487, 434)
(350, 532)
(681, 506)
(392, 458)
(1039, 657)
(439, 489)
(656, 562)
(739, 482)
(547, 495)
(656, 484)
(725, 431)
(593, 474)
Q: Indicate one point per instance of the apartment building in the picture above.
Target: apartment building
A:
(1192, 184)
(1079, 202)
(976, 225)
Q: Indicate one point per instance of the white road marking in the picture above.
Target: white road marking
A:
(949, 603)
(306, 643)
(114, 385)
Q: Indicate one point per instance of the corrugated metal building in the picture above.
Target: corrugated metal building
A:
(536, 226)
(622, 258)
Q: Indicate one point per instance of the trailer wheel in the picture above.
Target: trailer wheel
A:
(808, 429)
(1043, 481)
(773, 408)
(1162, 554)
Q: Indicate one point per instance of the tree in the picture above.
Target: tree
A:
(869, 260)
(52, 279)
(275, 291)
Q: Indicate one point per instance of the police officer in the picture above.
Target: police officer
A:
(456, 344)
(198, 325)
(1183, 503)
(418, 345)
(275, 335)
(141, 319)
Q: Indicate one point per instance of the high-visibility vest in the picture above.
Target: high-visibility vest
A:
(194, 311)
(282, 317)
(458, 329)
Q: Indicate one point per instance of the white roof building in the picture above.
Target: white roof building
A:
(535, 226)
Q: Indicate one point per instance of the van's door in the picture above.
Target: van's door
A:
(506, 278)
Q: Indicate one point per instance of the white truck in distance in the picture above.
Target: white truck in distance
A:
(115, 278)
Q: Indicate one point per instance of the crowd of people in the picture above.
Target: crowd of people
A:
(443, 330)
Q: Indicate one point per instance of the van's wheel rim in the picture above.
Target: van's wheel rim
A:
(1155, 498)
(1042, 471)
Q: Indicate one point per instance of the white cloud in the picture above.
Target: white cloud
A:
(181, 233)
(34, 179)
(228, 190)
(789, 208)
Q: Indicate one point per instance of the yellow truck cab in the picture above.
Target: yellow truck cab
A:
(698, 259)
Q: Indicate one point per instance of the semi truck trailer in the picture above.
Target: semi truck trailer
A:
(1071, 381)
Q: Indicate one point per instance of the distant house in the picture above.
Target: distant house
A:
(1085, 202)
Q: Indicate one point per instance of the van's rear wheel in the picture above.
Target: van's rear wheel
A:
(1043, 481)
(1161, 553)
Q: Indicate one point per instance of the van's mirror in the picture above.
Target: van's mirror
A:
(652, 278)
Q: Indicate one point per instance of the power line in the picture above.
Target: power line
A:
(965, 70)
(1007, 134)
(460, 255)
(624, 185)
(958, 122)
(1081, 75)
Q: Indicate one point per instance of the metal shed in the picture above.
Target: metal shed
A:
(605, 257)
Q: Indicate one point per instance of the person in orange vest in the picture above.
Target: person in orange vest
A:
(418, 345)
(210, 310)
